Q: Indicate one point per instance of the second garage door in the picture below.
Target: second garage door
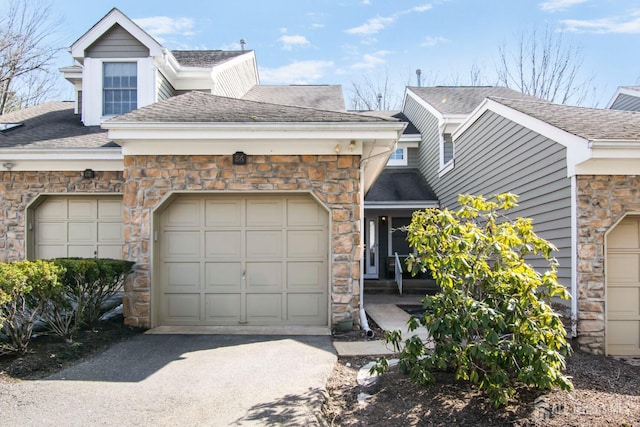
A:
(233, 260)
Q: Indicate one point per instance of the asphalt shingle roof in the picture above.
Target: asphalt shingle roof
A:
(400, 185)
(409, 130)
(198, 107)
(463, 99)
(323, 97)
(205, 58)
(588, 123)
(51, 125)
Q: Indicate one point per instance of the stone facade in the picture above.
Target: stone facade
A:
(20, 189)
(603, 200)
(334, 180)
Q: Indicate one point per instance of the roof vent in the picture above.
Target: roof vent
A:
(418, 76)
(242, 43)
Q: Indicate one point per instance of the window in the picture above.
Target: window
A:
(398, 157)
(120, 87)
(447, 148)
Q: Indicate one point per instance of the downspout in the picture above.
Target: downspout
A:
(363, 316)
(574, 257)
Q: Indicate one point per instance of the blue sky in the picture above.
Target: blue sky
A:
(342, 41)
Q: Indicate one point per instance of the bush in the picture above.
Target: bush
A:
(87, 284)
(492, 322)
(24, 288)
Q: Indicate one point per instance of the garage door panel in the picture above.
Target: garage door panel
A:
(264, 308)
(264, 213)
(226, 244)
(82, 232)
(52, 251)
(305, 275)
(81, 251)
(305, 213)
(83, 209)
(264, 244)
(110, 251)
(307, 309)
(182, 276)
(51, 232)
(624, 302)
(223, 276)
(223, 308)
(182, 308)
(110, 232)
(625, 235)
(182, 213)
(620, 268)
(623, 337)
(52, 209)
(264, 276)
(110, 210)
(182, 244)
(223, 213)
(305, 243)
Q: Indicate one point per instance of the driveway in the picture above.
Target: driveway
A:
(189, 380)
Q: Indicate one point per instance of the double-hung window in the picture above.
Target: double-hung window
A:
(119, 87)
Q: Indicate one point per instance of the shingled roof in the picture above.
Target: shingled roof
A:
(51, 125)
(205, 58)
(588, 123)
(401, 185)
(198, 107)
(409, 130)
(463, 99)
(323, 97)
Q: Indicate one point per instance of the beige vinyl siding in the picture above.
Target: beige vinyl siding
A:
(626, 102)
(117, 43)
(236, 81)
(428, 153)
(496, 155)
(165, 89)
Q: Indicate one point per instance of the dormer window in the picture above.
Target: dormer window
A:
(120, 87)
(398, 157)
(447, 149)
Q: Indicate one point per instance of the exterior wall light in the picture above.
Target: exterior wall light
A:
(88, 174)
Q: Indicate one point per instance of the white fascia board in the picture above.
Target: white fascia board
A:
(578, 150)
(104, 159)
(411, 141)
(230, 63)
(98, 30)
(609, 166)
(424, 104)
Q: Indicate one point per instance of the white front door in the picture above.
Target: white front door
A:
(371, 247)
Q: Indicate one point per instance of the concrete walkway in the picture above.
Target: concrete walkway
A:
(384, 310)
(168, 380)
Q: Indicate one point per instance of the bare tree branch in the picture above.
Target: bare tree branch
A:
(26, 54)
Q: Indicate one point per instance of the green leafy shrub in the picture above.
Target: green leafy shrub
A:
(492, 322)
(87, 284)
(24, 288)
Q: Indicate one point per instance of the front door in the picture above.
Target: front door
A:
(371, 248)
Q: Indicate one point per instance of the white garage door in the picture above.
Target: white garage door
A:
(623, 288)
(234, 260)
(78, 226)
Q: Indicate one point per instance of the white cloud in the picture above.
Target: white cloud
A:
(289, 42)
(366, 1)
(371, 60)
(432, 41)
(375, 25)
(300, 72)
(559, 5)
(161, 26)
(621, 25)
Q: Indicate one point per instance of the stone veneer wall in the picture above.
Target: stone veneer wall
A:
(602, 201)
(332, 179)
(19, 189)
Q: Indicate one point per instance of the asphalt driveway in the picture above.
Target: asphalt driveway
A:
(188, 380)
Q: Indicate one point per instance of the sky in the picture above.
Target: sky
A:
(355, 41)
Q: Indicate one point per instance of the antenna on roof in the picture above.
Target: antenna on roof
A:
(242, 43)
(418, 75)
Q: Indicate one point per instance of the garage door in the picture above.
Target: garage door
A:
(231, 260)
(623, 288)
(80, 226)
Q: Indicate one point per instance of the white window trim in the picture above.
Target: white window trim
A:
(399, 162)
(448, 166)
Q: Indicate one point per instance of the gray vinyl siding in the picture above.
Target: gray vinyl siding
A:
(235, 82)
(429, 149)
(626, 102)
(165, 89)
(117, 43)
(496, 155)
